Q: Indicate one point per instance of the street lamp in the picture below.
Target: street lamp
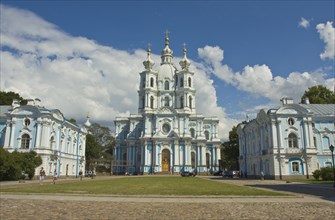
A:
(331, 148)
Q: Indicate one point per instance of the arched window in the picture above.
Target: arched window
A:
(189, 82)
(52, 141)
(151, 102)
(176, 80)
(143, 82)
(192, 132)
(190, 101)
(166, 101)
(166, 85)
(292, 140)
(143, 102)
(182, 102)
(328, 164)
(181, 82)
(325, 142)
(207, 135)
(25, 141)
(151, 82)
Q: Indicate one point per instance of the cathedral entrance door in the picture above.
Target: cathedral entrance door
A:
(165, 160)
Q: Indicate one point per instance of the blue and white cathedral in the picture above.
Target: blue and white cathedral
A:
(166, 135)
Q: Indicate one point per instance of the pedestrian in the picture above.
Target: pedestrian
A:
(81, 175)
(42, 175)
(54, 177)
(93, 174)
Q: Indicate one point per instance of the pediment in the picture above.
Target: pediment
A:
(166, 110)
(289, 111)
(292, 110)
(22, 112)
(58, 116)
(173, 134)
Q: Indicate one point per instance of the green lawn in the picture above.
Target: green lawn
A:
(146, 186)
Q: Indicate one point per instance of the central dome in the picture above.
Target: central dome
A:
(166, 71)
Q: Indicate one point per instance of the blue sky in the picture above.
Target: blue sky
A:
(247, 54)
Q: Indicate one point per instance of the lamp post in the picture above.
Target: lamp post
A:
(331, 148)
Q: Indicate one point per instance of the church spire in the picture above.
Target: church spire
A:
(167, 53)
(184, 63)
(148, 63)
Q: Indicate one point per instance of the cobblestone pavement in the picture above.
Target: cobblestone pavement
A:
(36, 206)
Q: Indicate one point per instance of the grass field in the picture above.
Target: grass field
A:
(181, 186)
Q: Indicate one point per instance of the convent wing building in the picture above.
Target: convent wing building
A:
(166, 135)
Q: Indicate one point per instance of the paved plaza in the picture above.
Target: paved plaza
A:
(310, 202)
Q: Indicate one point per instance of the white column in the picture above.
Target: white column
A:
(176, 153)
(274, 135)
(203, 152)
(310, 133)
(305, 133)
(218, 154)
(280, 138)
(38, 134)
(8, 134)
(12, 136)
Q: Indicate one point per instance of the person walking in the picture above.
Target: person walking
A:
(42, 175)
(81, 175)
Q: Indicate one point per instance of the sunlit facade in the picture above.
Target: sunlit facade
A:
(166, 135)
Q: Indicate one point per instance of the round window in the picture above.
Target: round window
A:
(166, 128)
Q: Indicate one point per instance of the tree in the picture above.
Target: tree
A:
(6, 98)
(319, 95)
(230, 151)
(28, 162)
(103, 137)
(72, 120)
(12, 165)
(93, 150)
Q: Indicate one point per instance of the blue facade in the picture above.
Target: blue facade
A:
(291, 141)
(31, 127)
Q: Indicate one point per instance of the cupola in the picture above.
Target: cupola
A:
(184, 63)
(148, 63)
(167, 53)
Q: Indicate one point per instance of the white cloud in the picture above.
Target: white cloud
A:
(79, 76)
(327, 34)
(304, 23)
(259, 80)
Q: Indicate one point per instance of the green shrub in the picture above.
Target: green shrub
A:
(327, 173)
(316, 174)
(12, 165)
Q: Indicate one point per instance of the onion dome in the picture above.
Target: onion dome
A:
(184, 63)
(148, 63)
(167, 53)
(88, 123)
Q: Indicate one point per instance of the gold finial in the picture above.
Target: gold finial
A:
(149, 48)
(167, 37)
(184, 47)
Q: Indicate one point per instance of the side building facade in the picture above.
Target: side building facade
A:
(32, 127)
(287, 142)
